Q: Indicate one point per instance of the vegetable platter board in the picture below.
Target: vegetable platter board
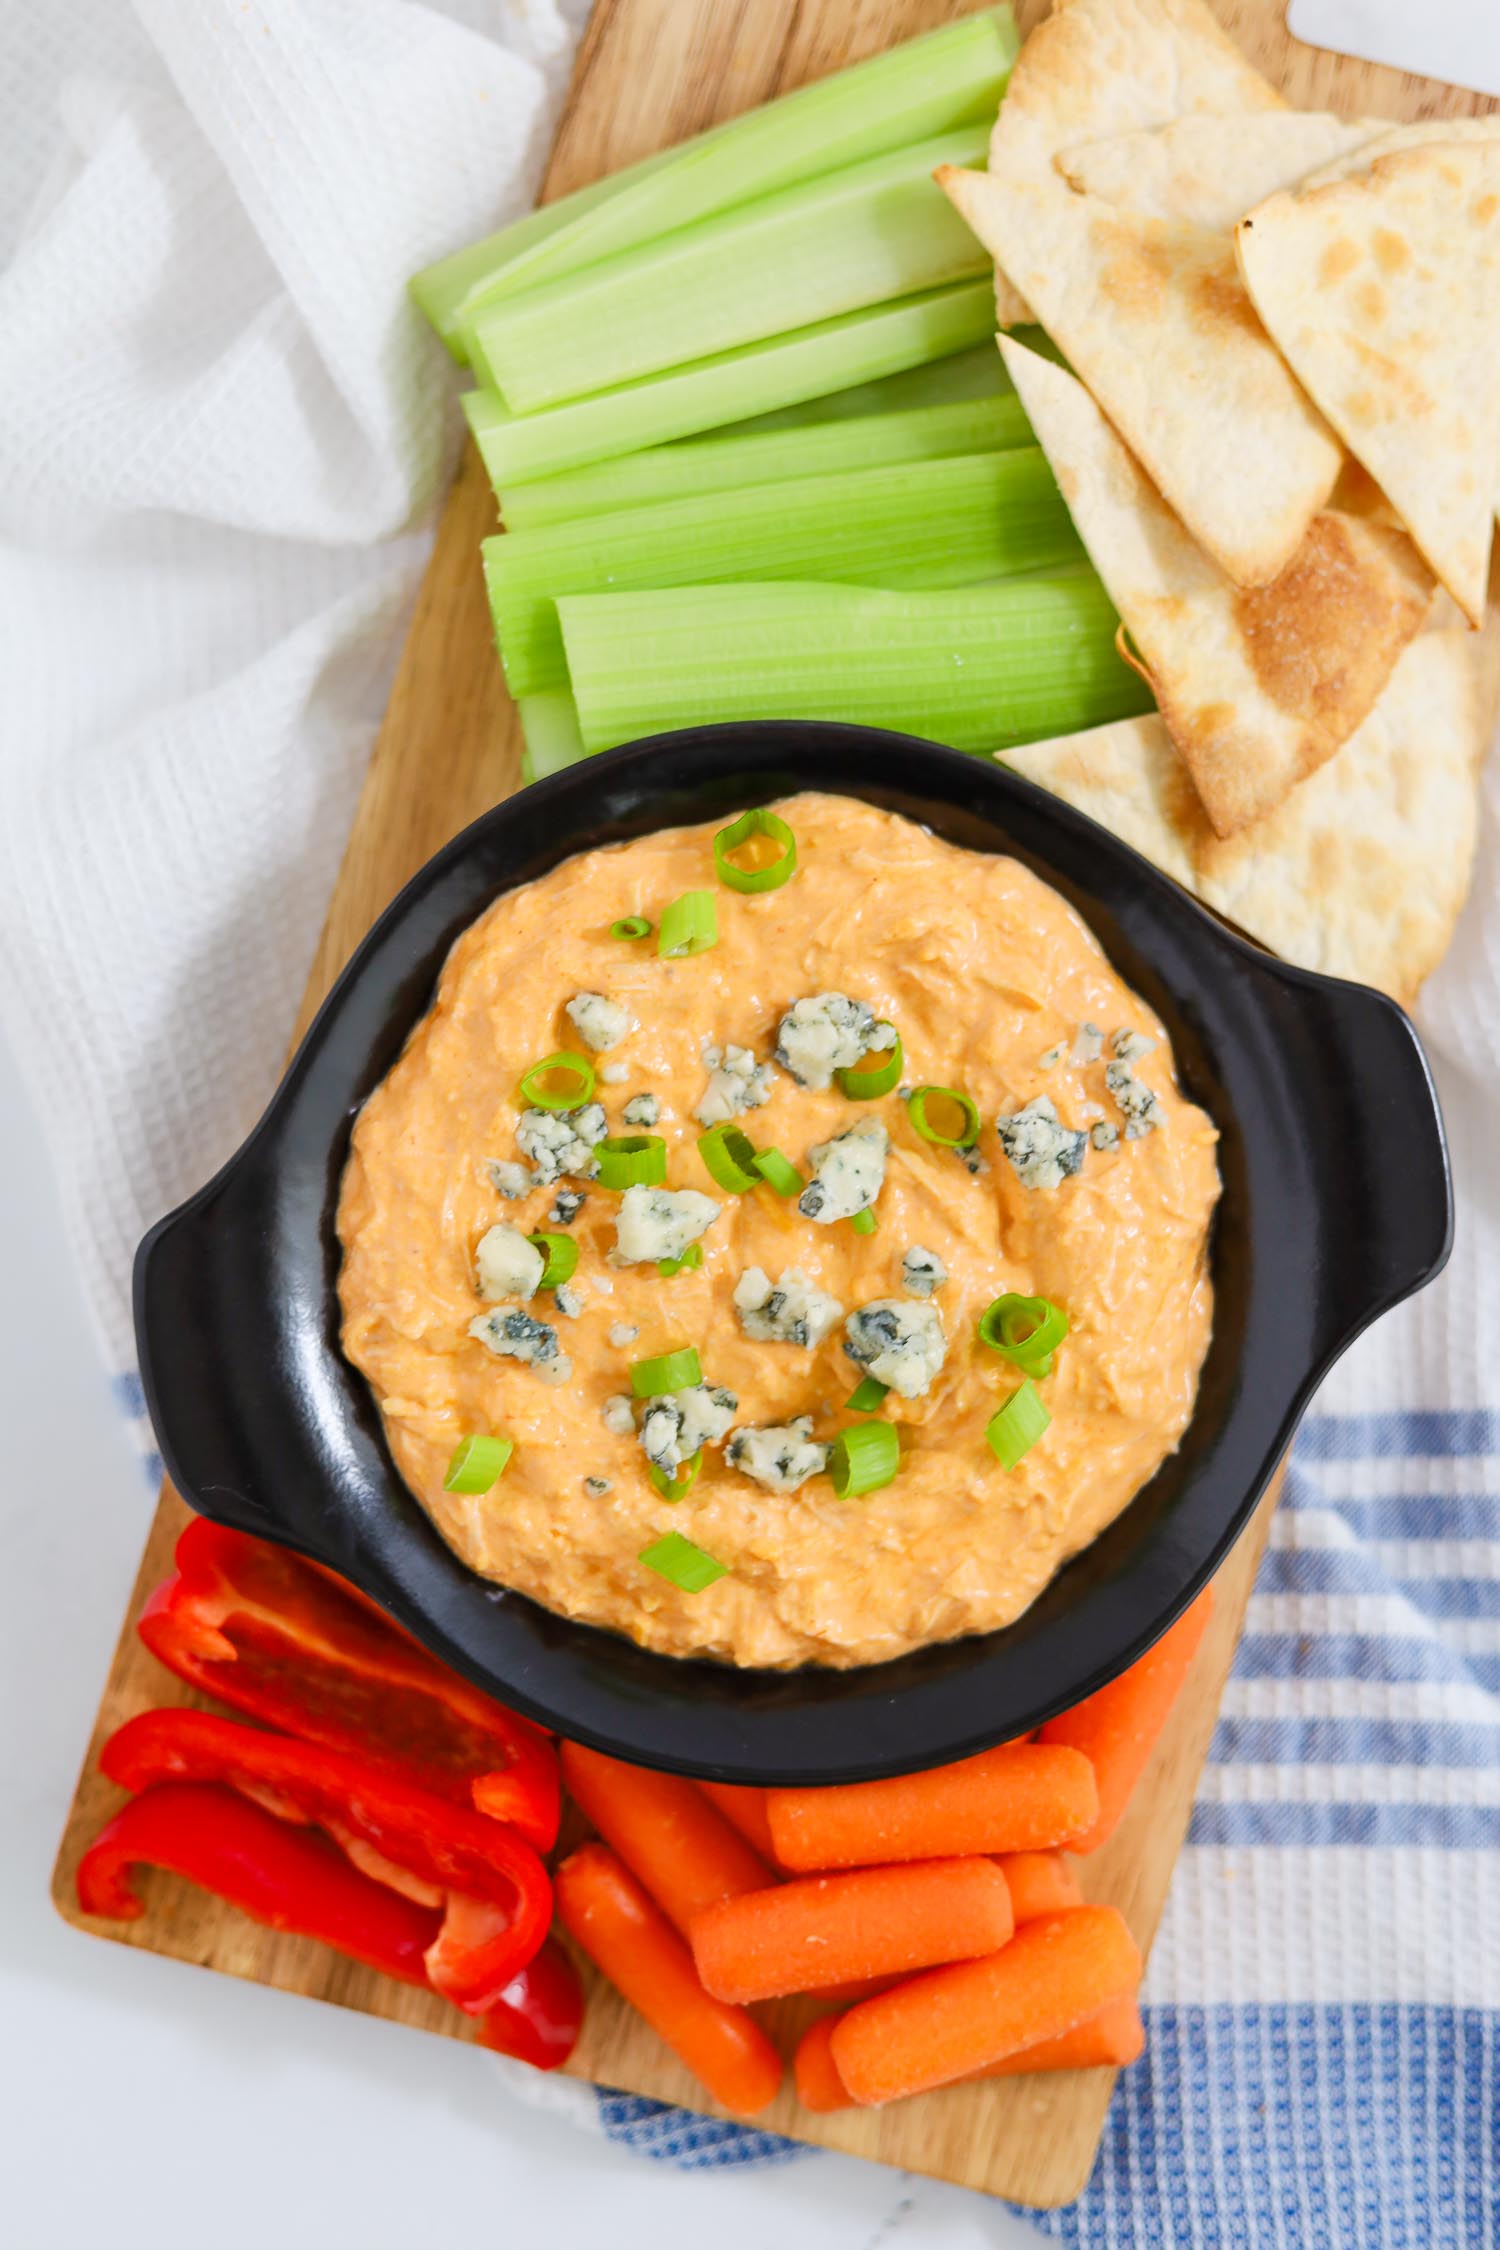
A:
(650, 73)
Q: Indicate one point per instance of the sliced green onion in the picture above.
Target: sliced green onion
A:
(867, 1396)
(632, 1160)
(673, 1371)
(540, 1090)
(691, 1259)
(863, 1222)
(631, 926)
(861, 1085)
(559, 1258)
(961, 1131)
(477, 1463)
(686, 1566)
(777, 1172)
(864, 1458)
(1015, 1429)
(729, 1156)
(689, 925)
(750, 825)
(1024, 1330)
(680, 1484)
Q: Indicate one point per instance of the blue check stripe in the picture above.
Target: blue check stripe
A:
(1356, 1742)
(1453, 1828)
(1345, 1570)
(1405, 1515)
(1362, 1656)
(1468, 1433)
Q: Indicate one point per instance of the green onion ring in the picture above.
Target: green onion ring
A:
(673, 1371)
(916, 1108)
(678, 1486)
(867, 1397)
(632, 1160)
(777, 1172)
(864, 1458)
(861, 1085)
(630, 926)
(559, 1258)
(689, 925)
(685, 1566)
(729, 1156)
(1015, 1429)
(477, 1463)
(1024, 1330)
(691, 1259)
(750, 824)
(562, 1064)
(863, 1222)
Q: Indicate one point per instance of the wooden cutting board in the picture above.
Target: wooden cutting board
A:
(649, 73)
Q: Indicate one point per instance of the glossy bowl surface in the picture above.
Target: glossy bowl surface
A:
(1336, 1204)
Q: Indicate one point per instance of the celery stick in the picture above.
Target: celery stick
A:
(698, 465)
(954, 76)
(978, 372)
(980, 667)
(549, 728)
(920, 523)
(854, 348)
(874, 231)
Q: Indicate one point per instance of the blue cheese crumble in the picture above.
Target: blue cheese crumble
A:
(736, 1082)
(515, 1335)
(781, 1456)
(1104, 1135)
(510, 1180)
(1088, 1043)
(597, 1487)
(642, 1109)
(623, 1334)
(1137, 1103)
(902, 1346)
(825, 1032)
(507, 1264)
(619, 1414)
(566, 1205)
(679, 1425)
(922, 1271)
(1130, 1046)
(568, 1302)
(789, 1311)
(1043, 1151)
(848, 1173)
(660, 1223)
(602, 1023)
(555, 1141)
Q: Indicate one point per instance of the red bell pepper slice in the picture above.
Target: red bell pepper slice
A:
(539, 2015)
(288, 1878)
(495, 1891)
(285, 1641)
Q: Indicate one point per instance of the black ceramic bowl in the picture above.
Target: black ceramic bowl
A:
(1335, 1205)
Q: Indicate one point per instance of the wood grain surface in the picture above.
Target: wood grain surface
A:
(650, 72)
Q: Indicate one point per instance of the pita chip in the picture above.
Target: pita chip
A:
(1209, 171)
(1152, 314)
(1257, 686)
(1363, 871)
(1382, 288)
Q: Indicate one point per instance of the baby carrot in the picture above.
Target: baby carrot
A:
(1040, 1883)
(1022, 1797)
(1116, 1729)
(830, 1929)
(819, 2086)
(745, 1809)
(1114, 2037)
(953, 2021)
(628, 1938)
(665, 1830)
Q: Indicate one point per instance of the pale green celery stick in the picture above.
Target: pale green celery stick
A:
(979, 667)
(681, 472)
(877, 230)
(442, 291)
(978, 372)
(731, 385)
(954, 76)
(549, 728)
(919, 523)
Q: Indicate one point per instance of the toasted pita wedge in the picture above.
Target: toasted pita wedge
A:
(1363, 870)
(1383, 290)
(1152, 316)
(1258, 687)
(1011, 308)
(1209, 171)
(1389, 138)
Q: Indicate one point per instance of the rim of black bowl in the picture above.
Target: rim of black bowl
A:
(1336, 1204)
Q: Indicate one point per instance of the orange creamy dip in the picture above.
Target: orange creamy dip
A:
(985, 971)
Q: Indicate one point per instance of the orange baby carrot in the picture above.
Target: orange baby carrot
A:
(1116, 1729)
(745, 1809)
(1040, 1883)
(628, 1938)
(1022, 1797)
(1054, 1974)
(819, 2086)
(830, 1929)
(665, 1830)
(1115, 2036)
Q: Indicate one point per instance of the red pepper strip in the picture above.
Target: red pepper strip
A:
(288, 1878)
(497, 1893)
(540, 2013)
(285, 1641)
